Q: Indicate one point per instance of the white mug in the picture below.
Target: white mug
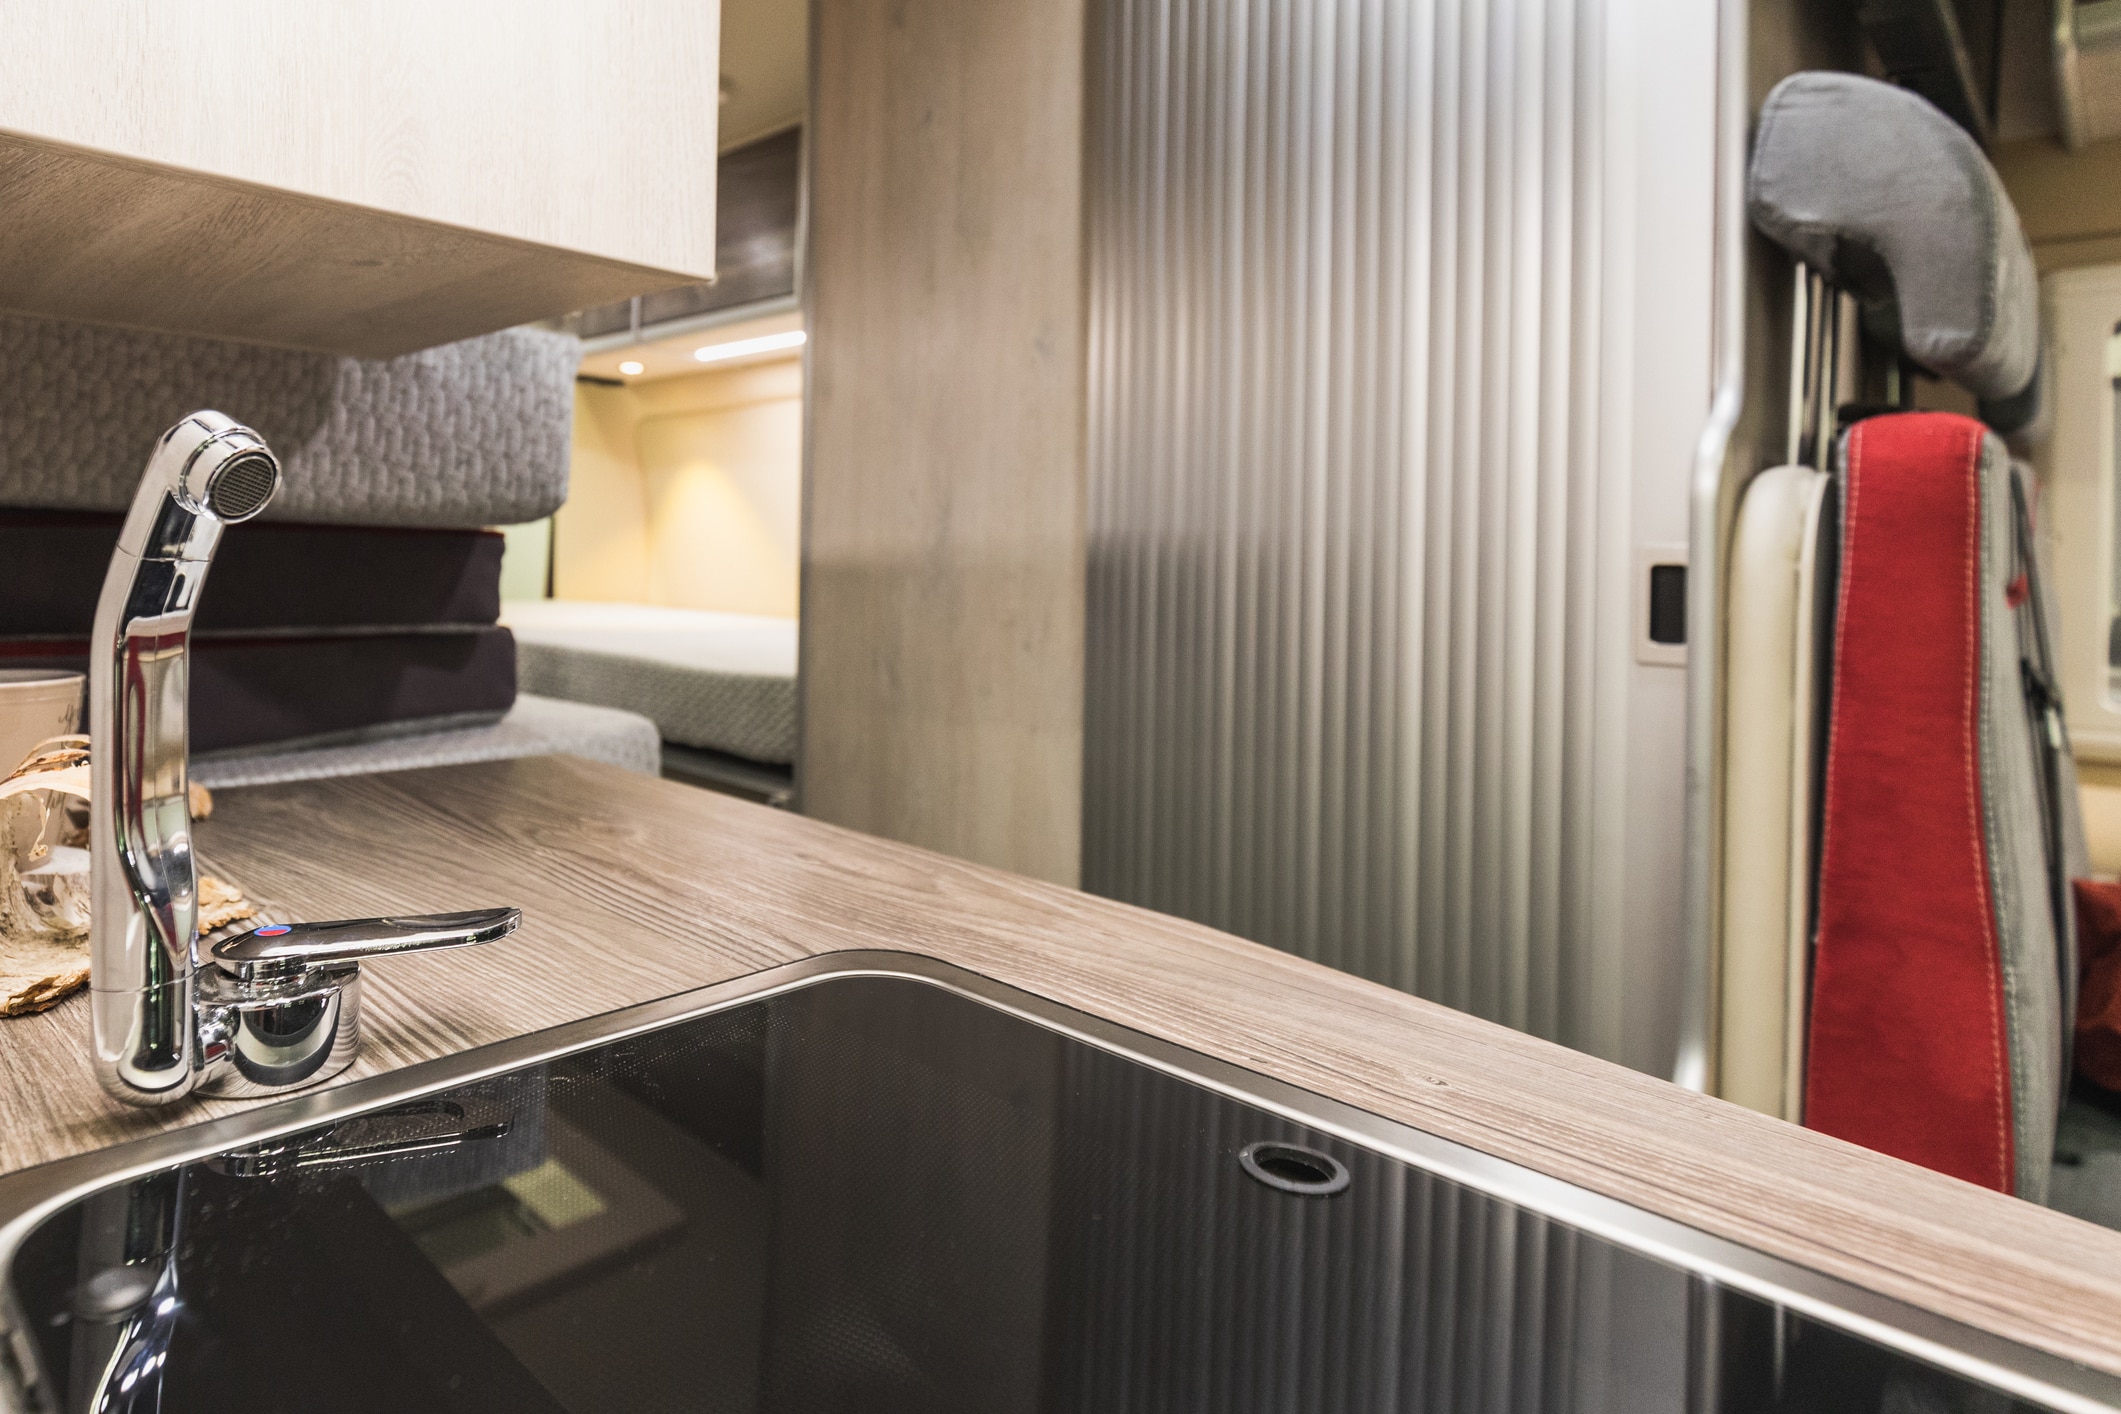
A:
(35, 704)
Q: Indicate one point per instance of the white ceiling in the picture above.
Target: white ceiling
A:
(765, 67)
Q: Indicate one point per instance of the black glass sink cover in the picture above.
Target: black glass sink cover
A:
(876, 1193)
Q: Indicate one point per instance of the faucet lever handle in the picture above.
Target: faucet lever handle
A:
(280, 948)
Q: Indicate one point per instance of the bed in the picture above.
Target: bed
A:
(711, 682)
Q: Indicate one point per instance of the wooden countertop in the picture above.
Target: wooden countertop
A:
(634, 888)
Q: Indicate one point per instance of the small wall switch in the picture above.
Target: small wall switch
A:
(1660, 598)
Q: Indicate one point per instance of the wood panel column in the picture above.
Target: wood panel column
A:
(944, 521)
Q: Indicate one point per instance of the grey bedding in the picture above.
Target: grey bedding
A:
(746, 715)
(723, 682)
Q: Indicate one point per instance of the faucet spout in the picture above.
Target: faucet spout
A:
(206, 473)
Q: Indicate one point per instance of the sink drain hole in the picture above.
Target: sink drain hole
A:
(1294, 1168)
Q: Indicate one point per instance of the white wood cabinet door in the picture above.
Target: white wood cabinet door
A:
(364, 177)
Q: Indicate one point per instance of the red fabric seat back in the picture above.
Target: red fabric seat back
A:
(1926, 1006)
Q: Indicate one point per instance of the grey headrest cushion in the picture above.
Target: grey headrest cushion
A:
(1892, 201)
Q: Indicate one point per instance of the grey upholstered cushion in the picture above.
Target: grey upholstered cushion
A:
(745, 714)
(1891, 200)
(468, 434)
(535, 726)
(724, 682)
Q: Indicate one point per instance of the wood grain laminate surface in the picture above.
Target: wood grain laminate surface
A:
(362, 179)
(590, 128)
(635, 888)
(112, 240)
(944, 514)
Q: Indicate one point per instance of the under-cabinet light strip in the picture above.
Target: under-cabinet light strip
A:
(739, 348)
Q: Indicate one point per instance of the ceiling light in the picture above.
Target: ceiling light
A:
(715, 353)
(632, 366)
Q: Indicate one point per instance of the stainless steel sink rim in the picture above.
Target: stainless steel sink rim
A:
(28, 1196)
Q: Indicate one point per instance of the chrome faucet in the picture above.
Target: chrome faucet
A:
(277, 1007)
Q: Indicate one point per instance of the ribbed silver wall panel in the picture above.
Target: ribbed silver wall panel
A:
(1346, 377)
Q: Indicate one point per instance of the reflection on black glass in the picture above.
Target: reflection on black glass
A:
(876, 1195)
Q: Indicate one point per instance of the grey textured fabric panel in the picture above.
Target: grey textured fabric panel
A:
(468, 434)
(2011, 807)
(1873, 186)
(2075, 849)
(358, 736)
(535, 726)
(745, 714)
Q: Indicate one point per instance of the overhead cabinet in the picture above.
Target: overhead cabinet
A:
(366, 179)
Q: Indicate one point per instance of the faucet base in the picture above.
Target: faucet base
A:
(252, 1045)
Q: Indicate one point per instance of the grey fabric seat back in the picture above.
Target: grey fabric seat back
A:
(1892, 201)
(469, 434)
